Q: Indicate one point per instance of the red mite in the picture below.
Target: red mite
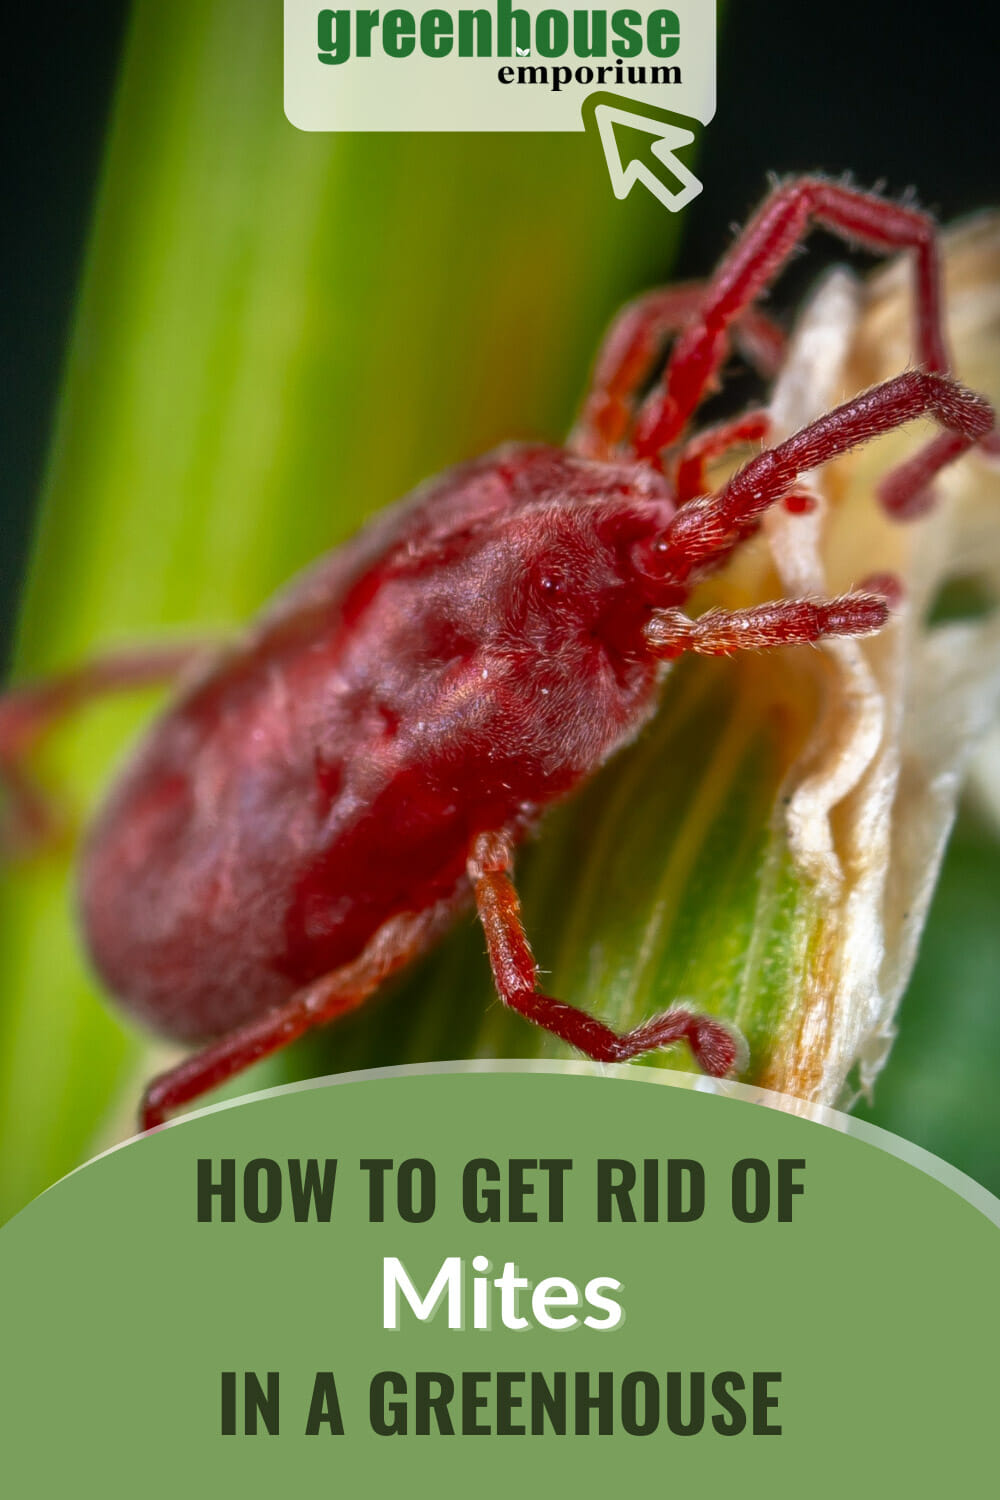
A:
(323, 798)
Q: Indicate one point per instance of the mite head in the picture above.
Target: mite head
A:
(578, 554)
(585, 563)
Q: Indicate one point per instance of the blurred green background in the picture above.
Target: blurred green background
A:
(273, 335)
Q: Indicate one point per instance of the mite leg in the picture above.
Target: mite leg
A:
(689, 476)
(630, 349)
(705, 531)
(906, 492)
(27, 712)
(716, 1048)
(395, 944)
(787, 622)
(752, 264)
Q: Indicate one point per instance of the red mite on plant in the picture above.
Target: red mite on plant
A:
(324, 797)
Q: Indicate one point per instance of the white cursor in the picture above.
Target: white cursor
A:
(673, 194)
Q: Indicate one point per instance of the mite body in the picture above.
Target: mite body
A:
(464, 662)
(321, 800)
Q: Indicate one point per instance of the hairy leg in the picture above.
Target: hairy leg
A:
(786, 622)
(394, 945)
(713, 442)
(716, 1048)
(629, 351)
(906, 492)
(704, 532)
(29, 711)
(766, 243)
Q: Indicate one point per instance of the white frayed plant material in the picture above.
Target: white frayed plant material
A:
(872, 798)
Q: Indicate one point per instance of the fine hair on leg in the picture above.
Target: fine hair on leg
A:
(716, 1048)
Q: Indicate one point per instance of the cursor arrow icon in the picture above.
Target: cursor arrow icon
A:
(640, 148)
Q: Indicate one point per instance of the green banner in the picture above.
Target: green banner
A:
(623, 1278)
